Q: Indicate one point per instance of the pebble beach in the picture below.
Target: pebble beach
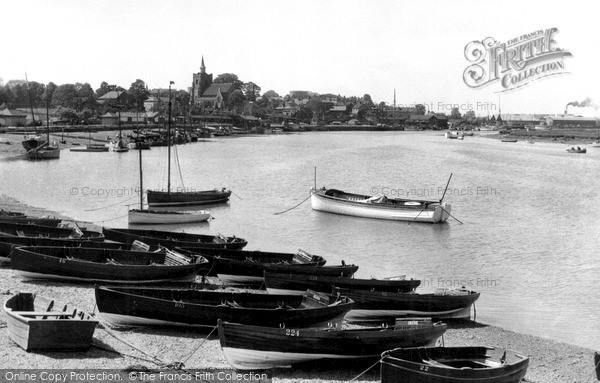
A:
(160, 349)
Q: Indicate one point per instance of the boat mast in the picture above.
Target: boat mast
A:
(141, 175)
(47, 120)
(31, 106)
(169, 141)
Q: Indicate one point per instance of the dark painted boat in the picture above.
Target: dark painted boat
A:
(232, 271)
(172, 239)
(386, 306)
(189, 307)
(28, 230)
(292, 283)
(103, 265)
(577, 150)
(27, 220)
(254, 347)
(206, 197)
(597, 364)
(453, 364)
(38, 323)
(7, 243)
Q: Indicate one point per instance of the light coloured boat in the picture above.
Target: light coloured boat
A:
(379, 207)
(38, 323)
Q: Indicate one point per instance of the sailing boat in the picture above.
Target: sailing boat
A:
(45, 151)
(143, 216)
(121, 145)
(183, 198)
(91, 147)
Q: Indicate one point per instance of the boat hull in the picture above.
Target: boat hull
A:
(479, 364)
(358, 206)
(73, 330)
(299, 282)
(382, 305)
(135, 306)
(151, 217)
(257, 347)
(173, 239)
(159, 198)
(44, 153)
(100, 265)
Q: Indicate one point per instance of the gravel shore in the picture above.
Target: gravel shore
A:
(161, 348)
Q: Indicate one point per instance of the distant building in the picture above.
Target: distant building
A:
(429, 121)
(522, 120)
(113, 95)
(200, 83)
(569, 121)
(12, 117)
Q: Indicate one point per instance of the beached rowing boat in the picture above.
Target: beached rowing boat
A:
(191, 307)
(104, 265)
(259, 347)
(453, 364)
(38, 323)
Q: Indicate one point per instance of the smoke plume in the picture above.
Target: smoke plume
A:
(583, 104)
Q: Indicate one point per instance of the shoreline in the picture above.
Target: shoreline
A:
(550, 361)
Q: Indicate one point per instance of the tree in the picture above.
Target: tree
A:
(470, 115)
(368, 101)
(137, 94)
(455, 114)
(420, 109)
(270, 94)
(251, 91)
(86, 98)
(229, 78)
(236, 99)
(65, 95)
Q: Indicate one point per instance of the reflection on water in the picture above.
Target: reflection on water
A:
(531, 215)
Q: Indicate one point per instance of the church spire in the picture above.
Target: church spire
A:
(202, 67)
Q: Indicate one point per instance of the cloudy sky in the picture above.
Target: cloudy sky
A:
(347, 47)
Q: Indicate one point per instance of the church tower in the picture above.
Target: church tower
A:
(200, 83)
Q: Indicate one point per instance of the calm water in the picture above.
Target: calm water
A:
(530, 213)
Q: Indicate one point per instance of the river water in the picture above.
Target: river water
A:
(530, 213)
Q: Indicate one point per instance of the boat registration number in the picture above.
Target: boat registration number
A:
(292, 332)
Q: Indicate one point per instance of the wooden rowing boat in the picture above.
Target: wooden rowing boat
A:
(171, 239)
(8, 242)
(38, 323)
(379, 207)
(258, 347)
(157, 217)
(25, 229)
(453, 364)
(104, 265)
(386, 306)
(294, 283)
(190, 307)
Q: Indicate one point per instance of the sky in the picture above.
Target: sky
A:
(349, 47)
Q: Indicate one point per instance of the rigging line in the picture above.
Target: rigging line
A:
(285, 211)
(179, 168)
(237, 195)
(114, 204)
(457, 220)
(112, 219)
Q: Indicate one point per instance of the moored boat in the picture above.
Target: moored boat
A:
(386, 306)
(25, 229)
(157, 198)
(38, 323)
(191, 307)
(258, 347)
(577, 150)
(379, 207)
(173, 239)
(294, 283)
(103, 265)
(453, 364)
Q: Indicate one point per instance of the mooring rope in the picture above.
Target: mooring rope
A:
(365, 371)
(285, 211)
(114, 204)
(457, 220)
(201, 344)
